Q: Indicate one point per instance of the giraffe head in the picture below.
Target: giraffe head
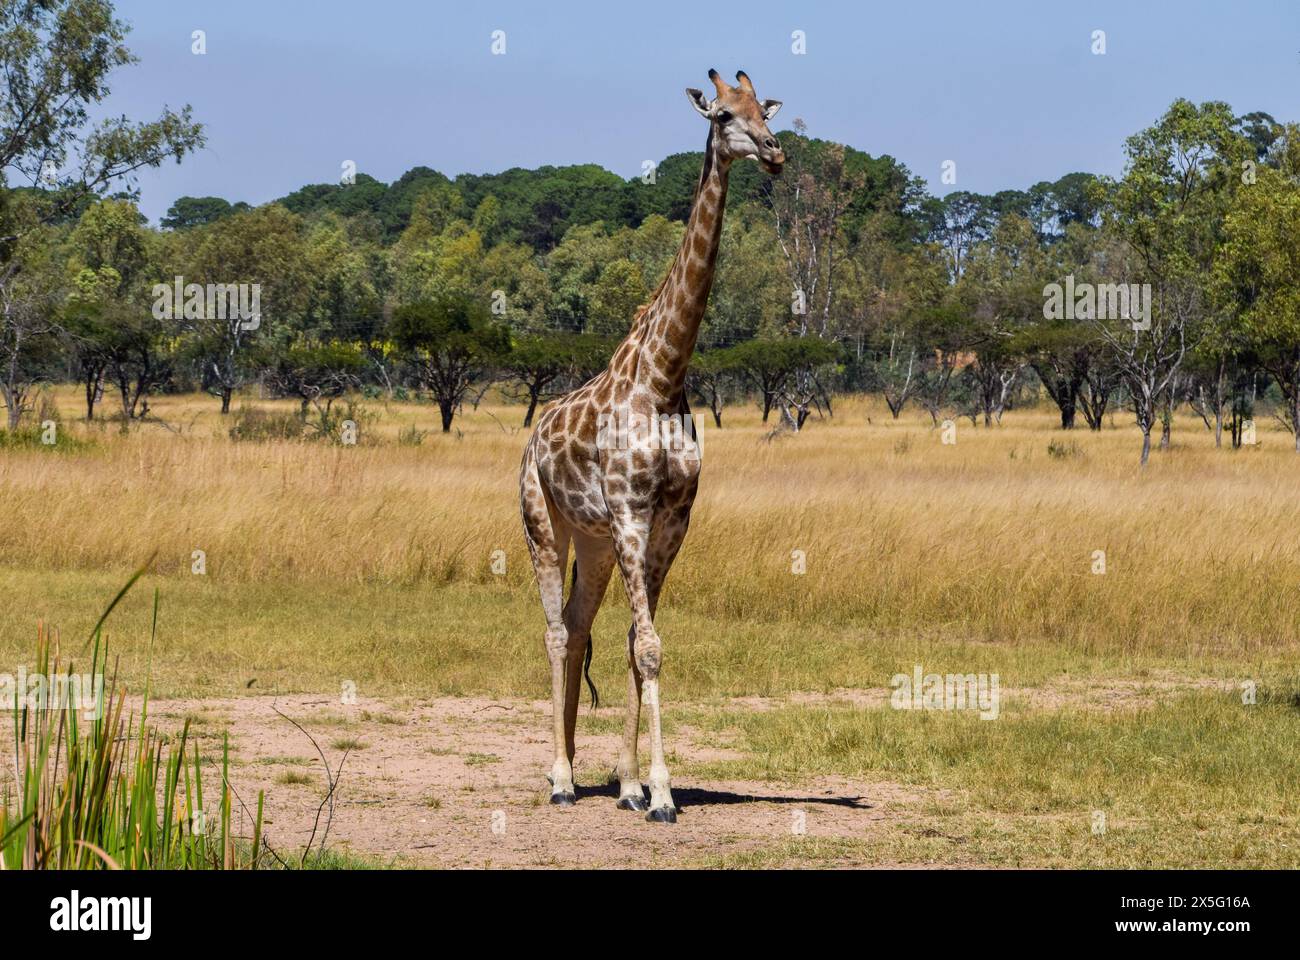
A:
(739, 122)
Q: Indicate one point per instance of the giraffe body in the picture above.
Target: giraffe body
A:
(613, 467)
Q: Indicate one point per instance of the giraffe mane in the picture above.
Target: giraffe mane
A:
(695, 196)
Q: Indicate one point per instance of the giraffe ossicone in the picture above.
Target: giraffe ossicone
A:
(623, 497)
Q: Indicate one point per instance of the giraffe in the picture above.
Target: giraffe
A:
(600, 473)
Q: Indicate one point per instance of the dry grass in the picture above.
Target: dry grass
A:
(991, 539)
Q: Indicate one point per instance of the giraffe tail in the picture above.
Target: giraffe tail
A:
(586, 663)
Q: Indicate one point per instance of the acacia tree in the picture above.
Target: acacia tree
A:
(763, 366)
(55, 60)
(315, 373)
(711, 374)
(539, 363)
(448, 344)
(779, 370)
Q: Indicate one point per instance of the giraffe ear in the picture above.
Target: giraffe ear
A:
(698, 101)
(770, 108)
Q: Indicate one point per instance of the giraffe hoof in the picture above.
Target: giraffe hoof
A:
(662, 815)
(563, 799)
(632, 803)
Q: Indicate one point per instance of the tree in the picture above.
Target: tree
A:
(810, 203)
(618, 292)
(112, 259)
(55, 60)
(775, 368)
(448, 344)
(885, 290)
(1005, 280)
(1168, 207)
(710, 374)
(966, 220)
(944, 340)
(540, 362)
(28, 325)
(260, 249)
(189, 212)
(1256, 278)
(316, 373)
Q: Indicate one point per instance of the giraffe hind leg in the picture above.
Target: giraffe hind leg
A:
(548, 546)
(593, 563)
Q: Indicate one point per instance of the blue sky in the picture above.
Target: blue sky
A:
(1011, 91)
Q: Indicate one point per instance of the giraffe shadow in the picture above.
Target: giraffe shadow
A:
(686, 797)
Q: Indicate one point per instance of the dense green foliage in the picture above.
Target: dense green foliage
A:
(843, 274)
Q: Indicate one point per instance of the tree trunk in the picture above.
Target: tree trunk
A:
(532, 408)
(1146, 445)
(1218, 406)
(225, 400)
(1068, 410)
(1295, 417)
(448, 410)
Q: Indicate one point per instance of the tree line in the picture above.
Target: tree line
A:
(1170, 286)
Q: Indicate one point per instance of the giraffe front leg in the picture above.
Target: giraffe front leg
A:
(632, 540)
(662, 808)
(630, 794)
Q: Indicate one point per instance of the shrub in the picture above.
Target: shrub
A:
(254, 423)
(1062, 450)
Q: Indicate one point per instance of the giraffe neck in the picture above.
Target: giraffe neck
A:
(664, 334)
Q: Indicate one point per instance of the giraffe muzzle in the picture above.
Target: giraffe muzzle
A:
(772, 159)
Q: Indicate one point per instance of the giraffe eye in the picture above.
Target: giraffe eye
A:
(724, 116)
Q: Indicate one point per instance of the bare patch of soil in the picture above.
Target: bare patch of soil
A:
(459, 782)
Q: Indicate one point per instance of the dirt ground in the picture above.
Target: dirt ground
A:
(459, 782)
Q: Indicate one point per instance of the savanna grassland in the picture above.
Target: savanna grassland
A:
(373, 564)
